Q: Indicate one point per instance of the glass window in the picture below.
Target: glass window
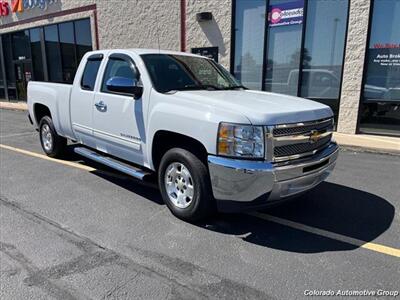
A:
(83, 38)
(36, 50)
(117, 68)
(323, 49)
(20, 42)
(10, 70)
(179, 72)
(380, 109)
(2, 90)
(249, 42)
(67, 47)
(53, 53)
(284, 45)
(90, 74)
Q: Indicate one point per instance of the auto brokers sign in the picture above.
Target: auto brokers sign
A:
(20, 6)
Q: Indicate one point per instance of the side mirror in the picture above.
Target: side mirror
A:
(125, 86)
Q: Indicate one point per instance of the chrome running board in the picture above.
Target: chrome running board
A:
(112, 163)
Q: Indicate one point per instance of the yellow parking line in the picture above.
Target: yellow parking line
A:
(328, 234)
(59, 161)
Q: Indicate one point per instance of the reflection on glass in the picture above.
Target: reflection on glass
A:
(83, 38)
(36, 50)
(323, 49)
(249, 42)
(20, 42)
(283, 52)
(53, 53)
(67, 45)
(381, 94)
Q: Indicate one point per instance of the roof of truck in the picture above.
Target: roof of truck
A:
(140, 51)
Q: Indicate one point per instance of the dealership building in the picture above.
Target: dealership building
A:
(344, 53)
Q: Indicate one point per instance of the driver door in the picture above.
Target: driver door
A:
(116, 116)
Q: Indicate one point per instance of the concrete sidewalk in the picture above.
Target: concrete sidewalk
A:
(355, 141)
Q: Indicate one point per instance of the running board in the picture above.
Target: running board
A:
(112, 163)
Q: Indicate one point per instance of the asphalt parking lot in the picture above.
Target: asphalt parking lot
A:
(76, 230)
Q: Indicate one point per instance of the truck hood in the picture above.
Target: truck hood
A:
(261, 108)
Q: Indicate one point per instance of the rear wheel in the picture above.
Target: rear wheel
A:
(185, 186)
(52, 144)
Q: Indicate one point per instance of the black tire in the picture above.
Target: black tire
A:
(202, 204)
(59, 144)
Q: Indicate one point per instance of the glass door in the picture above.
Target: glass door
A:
(23, 73)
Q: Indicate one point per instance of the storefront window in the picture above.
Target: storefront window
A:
(249, 42)
(36, 50)
(53, 53)
(20, 42)
(63, 45)
(303, 42)
(67, 45)
(83, 38)
(284, 46)
(323, 51)
(380, 107)
(9, 66)
(2, 91)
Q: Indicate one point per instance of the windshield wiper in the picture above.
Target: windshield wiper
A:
(235, 87)
(193, 87)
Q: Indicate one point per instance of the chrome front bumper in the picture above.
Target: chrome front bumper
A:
(246, 181)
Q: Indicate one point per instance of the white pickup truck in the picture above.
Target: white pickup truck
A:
(214, 144)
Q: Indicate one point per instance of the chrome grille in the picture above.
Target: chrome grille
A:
(283, 130)
(289, 150)
(292, 141)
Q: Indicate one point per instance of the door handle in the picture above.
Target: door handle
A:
(101, 106)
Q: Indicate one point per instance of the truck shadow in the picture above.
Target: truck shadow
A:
(332, 207)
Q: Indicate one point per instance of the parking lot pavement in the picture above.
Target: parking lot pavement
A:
(73, 229)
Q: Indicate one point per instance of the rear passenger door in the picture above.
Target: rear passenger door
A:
(82, 99)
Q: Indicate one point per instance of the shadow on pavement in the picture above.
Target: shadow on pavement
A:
(333, 207)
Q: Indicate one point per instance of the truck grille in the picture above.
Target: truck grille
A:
(292, 141)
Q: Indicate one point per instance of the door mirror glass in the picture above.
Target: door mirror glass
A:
(125, 85)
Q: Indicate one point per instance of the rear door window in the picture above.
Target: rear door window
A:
(90, 73)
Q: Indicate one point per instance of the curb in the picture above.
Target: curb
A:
(14, 105)
(350, 142)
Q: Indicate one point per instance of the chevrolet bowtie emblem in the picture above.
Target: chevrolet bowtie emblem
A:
(315, 136)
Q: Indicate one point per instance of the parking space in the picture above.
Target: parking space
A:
(74, 229)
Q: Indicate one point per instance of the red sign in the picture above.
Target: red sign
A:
(4, 9)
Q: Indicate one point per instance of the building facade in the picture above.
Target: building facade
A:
(344, 53)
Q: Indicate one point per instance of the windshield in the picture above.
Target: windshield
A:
(182, 72)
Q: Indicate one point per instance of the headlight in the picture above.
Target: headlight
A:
(240, 140)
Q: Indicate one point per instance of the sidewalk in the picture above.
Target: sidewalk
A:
(13, 105)
(364, 142)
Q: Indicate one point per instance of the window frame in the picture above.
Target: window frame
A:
(94, 57)
(122, 57)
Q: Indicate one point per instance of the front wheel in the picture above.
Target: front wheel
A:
(185, 186)
(52, 144)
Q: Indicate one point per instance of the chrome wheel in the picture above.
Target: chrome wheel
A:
(47, 137)
(179, 185)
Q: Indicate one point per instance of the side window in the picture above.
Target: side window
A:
(117, 68)
(90, 74)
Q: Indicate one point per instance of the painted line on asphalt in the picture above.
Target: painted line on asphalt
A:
(331, 235)
(16, 134)
(63, 162)
(299, 226)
